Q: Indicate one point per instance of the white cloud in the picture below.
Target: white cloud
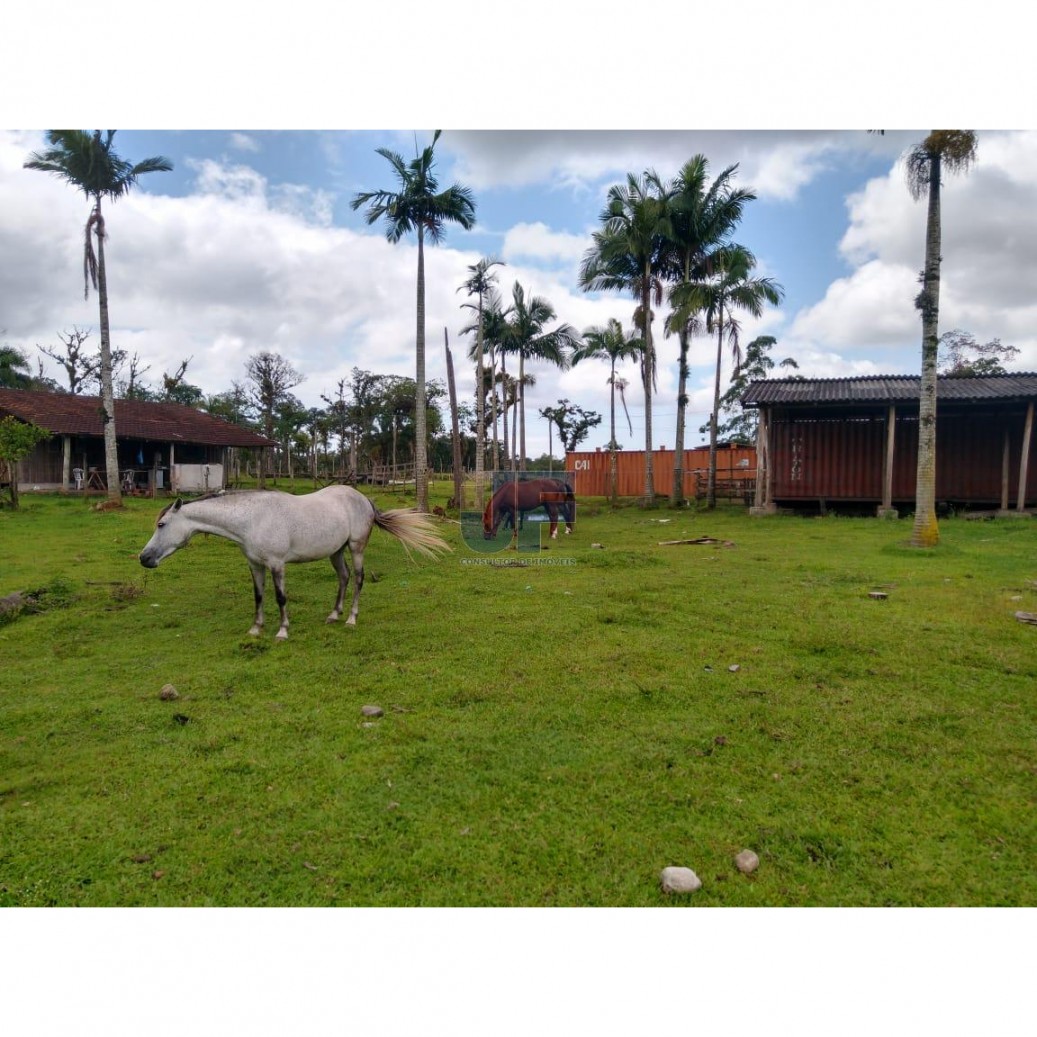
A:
(244, 142)
(866, 322)
(538, 241)
(776, 165)
(874, 305)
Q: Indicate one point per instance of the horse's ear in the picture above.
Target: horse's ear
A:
(178, 503)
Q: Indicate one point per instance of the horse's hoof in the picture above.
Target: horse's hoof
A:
(282, 635)
(255, 632)
(351, 622)
(333, 618)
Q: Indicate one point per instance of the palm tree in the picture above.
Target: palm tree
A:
(87, 162)
(518, 387)
(494, 324)
(509, 397)
(702, 218)
(418, 205)
(627, 255)
(955, 149)
(730, 287)
(481, 284)
(528, 340)
(611, 344)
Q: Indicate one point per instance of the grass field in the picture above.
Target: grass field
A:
(554, 732)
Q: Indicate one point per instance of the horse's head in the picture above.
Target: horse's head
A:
(172, 531)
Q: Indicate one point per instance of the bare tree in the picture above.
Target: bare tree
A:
(960, 354)
(133, 388)
(270, 377)
(81, 367)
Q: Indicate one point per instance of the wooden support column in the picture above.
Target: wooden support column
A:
(761, 458)
(886, 508)
(66, 462)
(1024, 459)
(1005, 469)
(762, 500)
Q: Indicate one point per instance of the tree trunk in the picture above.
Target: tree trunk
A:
(520, 403)
(495, 460)
(420, 446)
(925, 532)
(454, 427)
(504, 406)
(10, 469)
(111, 448)
(647, 368)
(613, 464)
(480, 418)
(677, 495)
(711, 479)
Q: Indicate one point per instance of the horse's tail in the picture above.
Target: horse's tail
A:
(412, 529)
(570, 502)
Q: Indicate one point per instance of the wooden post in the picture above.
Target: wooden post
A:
(1024, 459)
(886, 509)
(762, 461)
(1005, 470)
(763, 499)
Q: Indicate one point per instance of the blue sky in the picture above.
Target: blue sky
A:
(251, 244)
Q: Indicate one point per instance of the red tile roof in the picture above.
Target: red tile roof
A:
(65, 414)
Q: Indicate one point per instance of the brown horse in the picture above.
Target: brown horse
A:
(519, 496)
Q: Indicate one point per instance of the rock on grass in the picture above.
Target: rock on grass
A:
(679, 880)
(747, 862)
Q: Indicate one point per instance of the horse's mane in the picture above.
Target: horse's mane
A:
(212, 495)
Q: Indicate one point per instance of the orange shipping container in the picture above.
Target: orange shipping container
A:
(591, 470)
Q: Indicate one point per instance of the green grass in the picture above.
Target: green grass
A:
(553, 734)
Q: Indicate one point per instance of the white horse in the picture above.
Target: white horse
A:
(273, 528)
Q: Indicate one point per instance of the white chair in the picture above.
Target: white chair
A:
(77, 474)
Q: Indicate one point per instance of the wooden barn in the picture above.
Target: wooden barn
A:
(854, 441)
(160, 445)
(736, 472)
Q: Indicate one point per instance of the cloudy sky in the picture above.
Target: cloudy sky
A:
(250, 244)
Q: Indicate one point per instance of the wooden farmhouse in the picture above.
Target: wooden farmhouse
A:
(854, 441)
(160, 445)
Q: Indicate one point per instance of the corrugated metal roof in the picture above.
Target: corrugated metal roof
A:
(888, 389)
(65, 414)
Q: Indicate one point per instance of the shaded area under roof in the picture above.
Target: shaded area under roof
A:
(64, 414)
(889, 389)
